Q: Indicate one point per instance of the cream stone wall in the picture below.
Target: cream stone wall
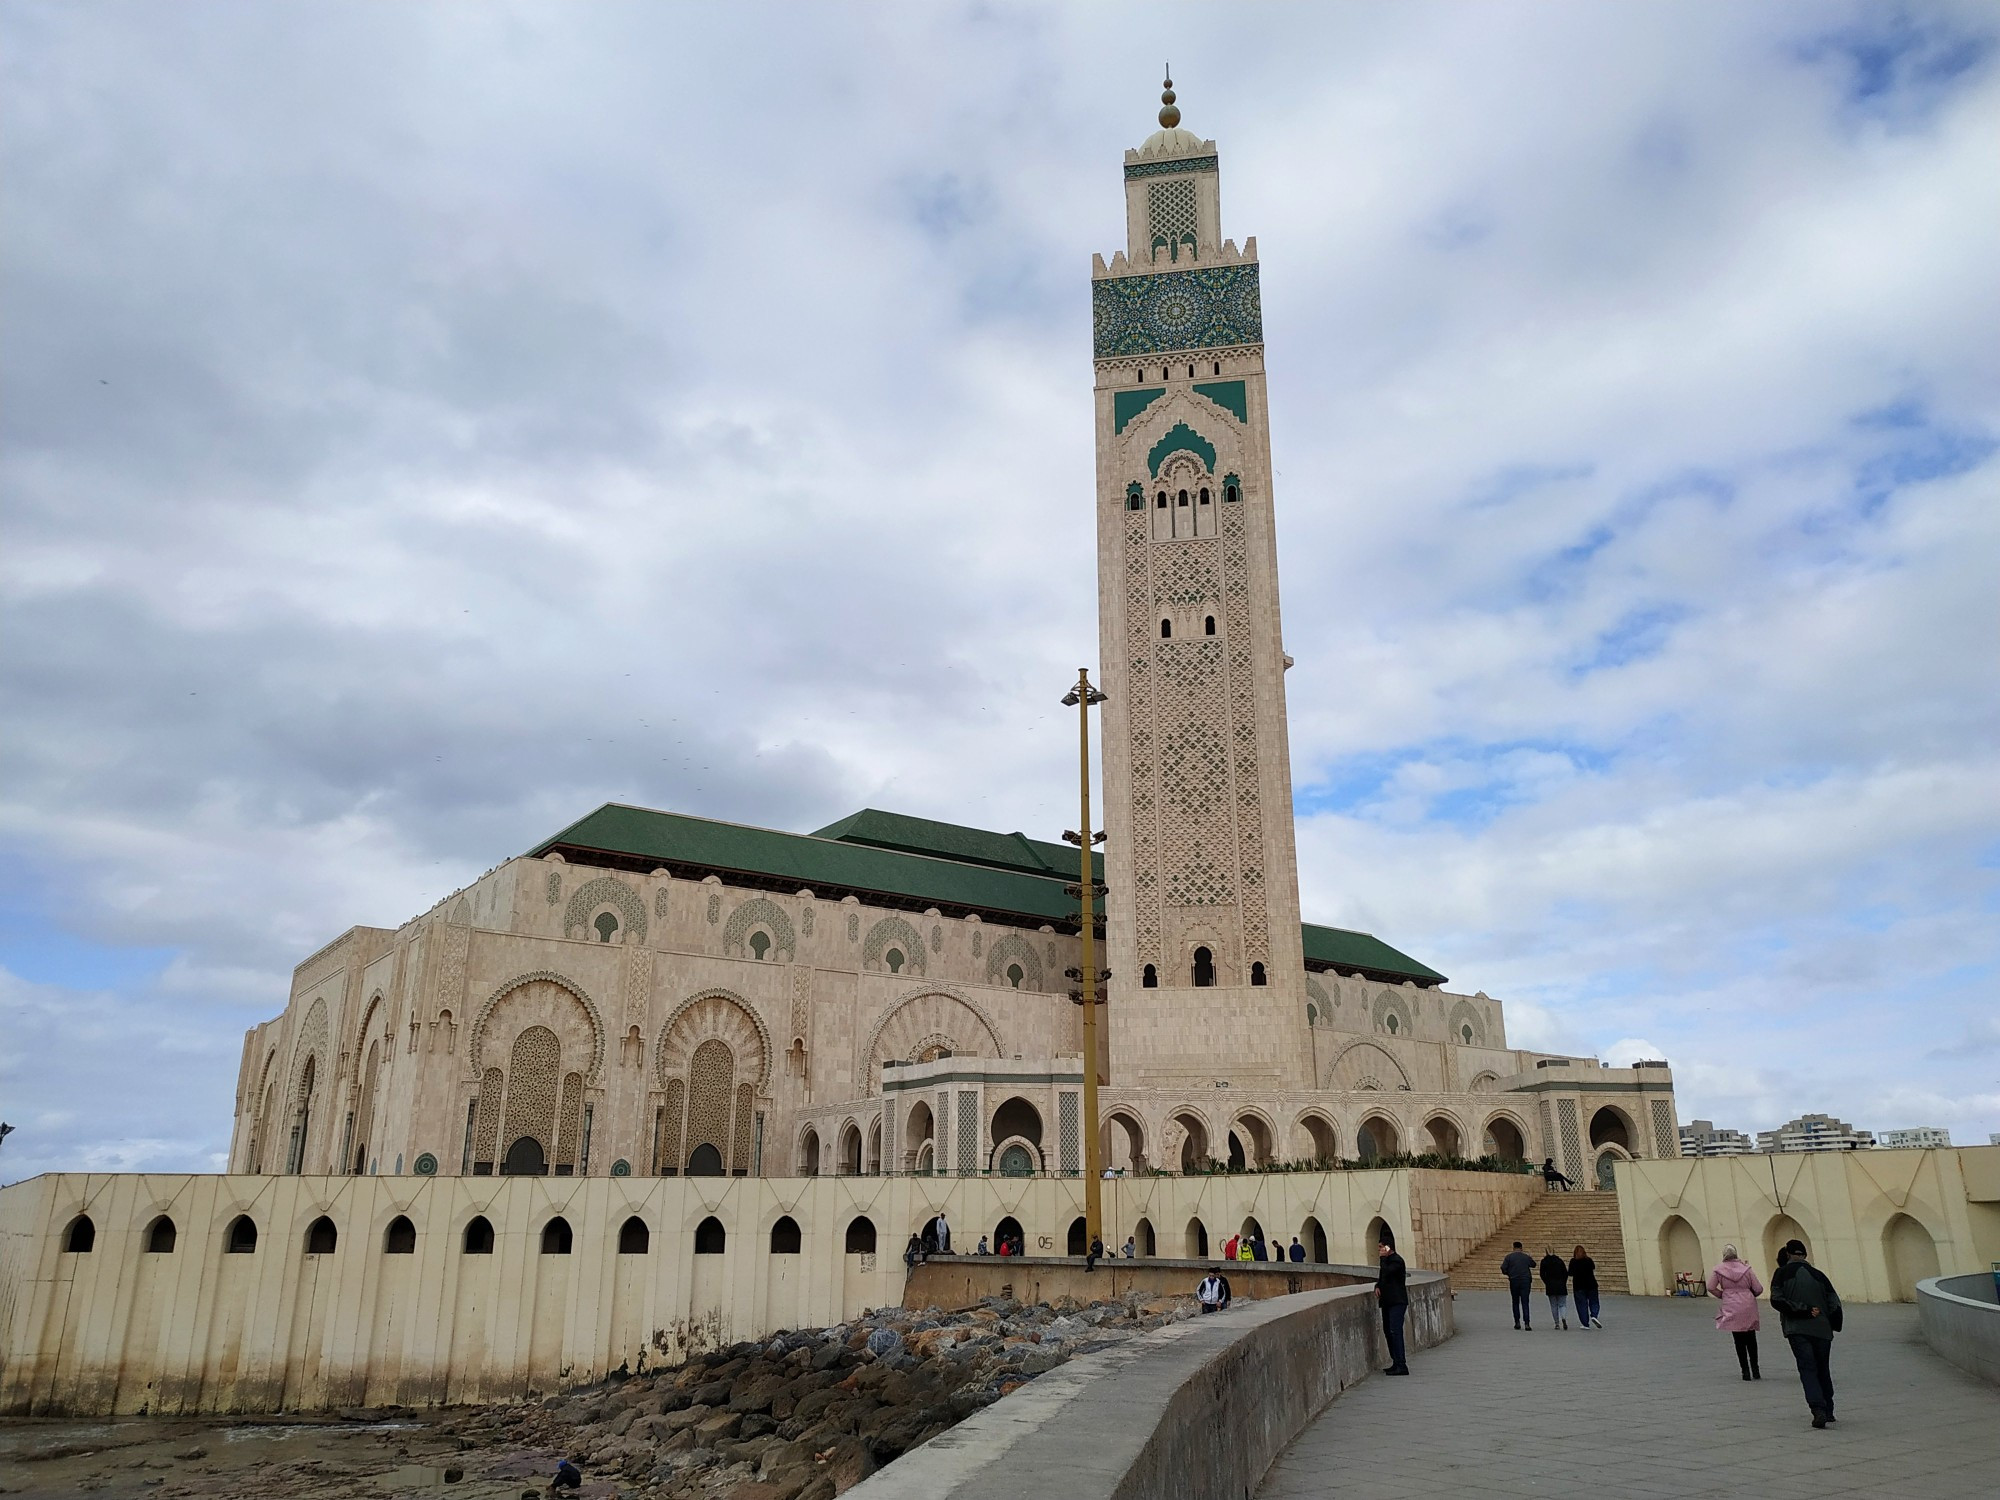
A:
(1876, 1221)
(196, 1328)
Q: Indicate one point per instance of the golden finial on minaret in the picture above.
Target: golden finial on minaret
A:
(1169, 116)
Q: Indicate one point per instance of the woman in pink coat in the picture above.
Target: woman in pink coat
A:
(1738, 1287)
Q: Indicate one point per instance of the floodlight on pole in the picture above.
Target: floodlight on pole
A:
(1083, 697)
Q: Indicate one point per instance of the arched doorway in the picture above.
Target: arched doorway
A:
(1008, 1233)
(1316, 1139)
(1609, 1127)
(1376, 1139)
(1194, 1142)
(1017, 1117)
(919, 1152)
(705, 1162)
(1016, 1160)
(1239, 1158)
(1680, 1250)
(1195, 1243)
(1503, 1139)
(1253, 1233)
(1255, 1133)
(1124, 1143)
(1313, 1237)
(1144, 1242)
(1911, 1253)
(850, 1150)
(809, 1153)
(525, 1159)
(1079, 1242)
(1778, 1232)
(1378, 1229)
(1443, 1132)
(1606, 1173)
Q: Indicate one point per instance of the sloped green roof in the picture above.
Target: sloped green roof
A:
(913, 862)
(1006, 851)
(1365, 952)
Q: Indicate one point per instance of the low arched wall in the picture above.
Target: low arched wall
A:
(1197, 1409)
(1961, 1320)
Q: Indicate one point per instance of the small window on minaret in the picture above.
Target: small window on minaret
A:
(1257, 974)
(1208, 625)
(1231, 495)
(1150, 978)
(1218, 367)
(1183, 499)
(1161, 503)
(1139, 376)
(1166, 630)
(1204, 969)
(1190, 372)
(1204, 497)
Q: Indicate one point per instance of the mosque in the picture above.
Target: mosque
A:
(649, 994)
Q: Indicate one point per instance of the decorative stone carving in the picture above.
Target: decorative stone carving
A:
(606, 890)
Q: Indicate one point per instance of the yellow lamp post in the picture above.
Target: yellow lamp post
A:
(1089, 993)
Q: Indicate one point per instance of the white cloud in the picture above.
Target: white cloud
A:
(420, 426)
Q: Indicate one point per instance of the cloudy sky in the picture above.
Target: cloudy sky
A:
(421, 424)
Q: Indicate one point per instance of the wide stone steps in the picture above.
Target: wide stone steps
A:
(1560, 1221)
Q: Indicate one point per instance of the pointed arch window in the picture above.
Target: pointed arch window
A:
(479, 1236)
(1204, 968)
(400, 1238)
(82, 1236)
(1166, 630)
(1149, 978)
(1257, 974)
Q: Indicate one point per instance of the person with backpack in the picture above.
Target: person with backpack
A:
(1520, 1273)
(1809, 1315)
(1555, 1282)
(1738, 1287)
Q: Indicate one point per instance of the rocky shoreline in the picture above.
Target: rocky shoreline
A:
(801, 1415)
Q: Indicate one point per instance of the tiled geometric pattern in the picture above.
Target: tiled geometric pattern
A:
(1666, 1140)
(533, 1072)
(758, 912)
(1548, 1147)
(1170, 211)
(606, 890)
(893, 932)
(1014, 949)
(1243, 716)
(1169, 168)
(711, 1083)
(1210, 308)
(968, 1131)
(1572, 1140)
(486, 1134)
(569, 1121)
(802, 979)
(457, 941)
(307, 1065)
(1069, 1133)
(739, 1144)
(672, 1112)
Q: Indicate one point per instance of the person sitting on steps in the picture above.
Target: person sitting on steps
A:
(1551, 1178)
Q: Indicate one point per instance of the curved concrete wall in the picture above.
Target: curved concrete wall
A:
(1961, 1319)
(1197, 1411)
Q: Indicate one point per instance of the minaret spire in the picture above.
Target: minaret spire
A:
(1170, 116)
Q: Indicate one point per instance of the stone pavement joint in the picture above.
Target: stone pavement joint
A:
(1650, 1408)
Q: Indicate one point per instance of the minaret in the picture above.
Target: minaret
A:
(1203, 911)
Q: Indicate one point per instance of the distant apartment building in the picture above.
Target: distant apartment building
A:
(1916, 1137)
(1703, 1138)
(1814, 1133)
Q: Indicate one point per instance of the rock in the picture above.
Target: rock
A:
(714, 1393)
(713, 1429)
(828, 1357)
(687, 1416)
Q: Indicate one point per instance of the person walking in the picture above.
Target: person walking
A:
(1392, 1293)
(1737, 1285)
(1555, 1283)
(1520, 1273)
(1298, 1251)
(1583, 1282)
(1229, 1247)
(1210, 1291)
(1809, 1315)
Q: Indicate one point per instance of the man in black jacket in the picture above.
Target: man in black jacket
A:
(1809, 1314)
(1392, 1291)
(1519, 1270)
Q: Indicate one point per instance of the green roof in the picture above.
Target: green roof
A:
(1363, 952)
(902, 861)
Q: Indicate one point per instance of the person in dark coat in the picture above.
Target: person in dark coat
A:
(1519, 1269)
(568, 1477)
(1298, 1250)
(1555, 1284)
(1096, 1254)
(1583, 1282)
(1392, 1291)
(1809, 1315)
(1551, 1178)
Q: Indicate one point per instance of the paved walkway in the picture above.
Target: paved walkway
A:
(1651, 1408)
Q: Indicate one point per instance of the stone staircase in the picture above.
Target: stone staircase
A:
(1560, 1221)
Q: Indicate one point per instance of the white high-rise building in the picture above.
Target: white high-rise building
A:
(1915, 1137)
(1705, 1138)
(1814, 1132)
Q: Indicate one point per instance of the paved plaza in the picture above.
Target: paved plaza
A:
(1652, 1406)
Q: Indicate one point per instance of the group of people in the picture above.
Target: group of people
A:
(1809, 1315)
(1560, 1278)
(1251, 1246)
